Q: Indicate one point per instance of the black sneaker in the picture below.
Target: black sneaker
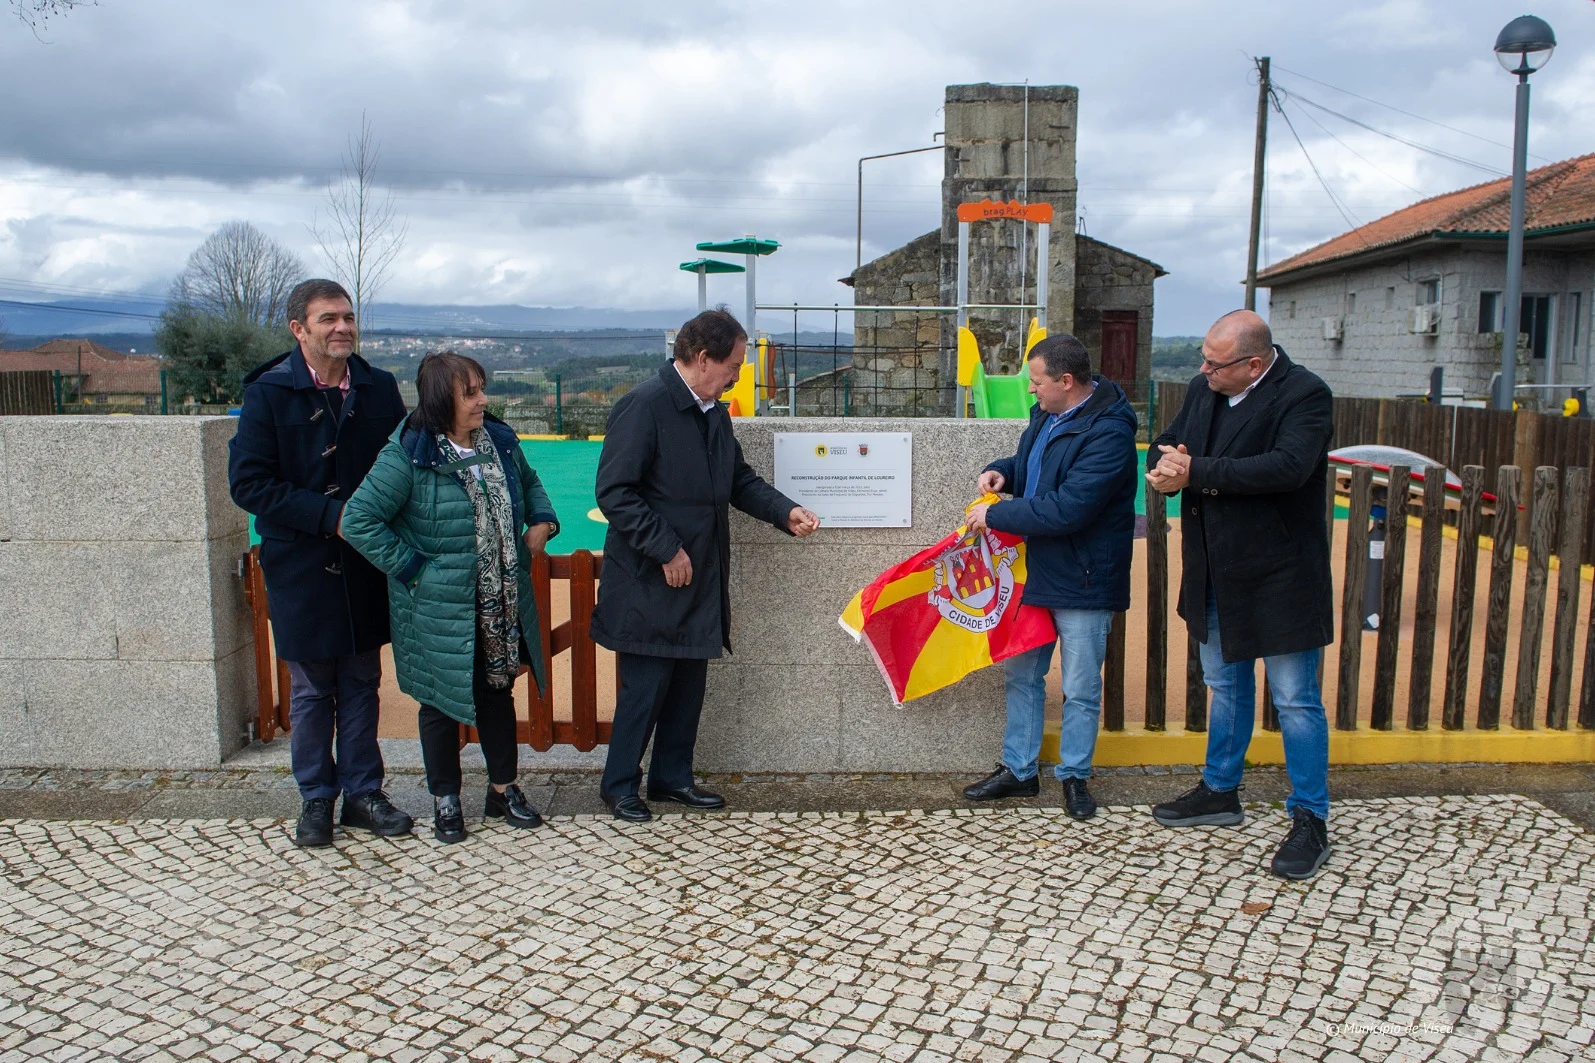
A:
(1305, 848)
(375, 813)
(1001, 783)
(448, 819)
(1077, 799)
(315, 823)
(1201, 807)
(512, 807)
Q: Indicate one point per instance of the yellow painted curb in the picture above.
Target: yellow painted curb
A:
(1118, 749)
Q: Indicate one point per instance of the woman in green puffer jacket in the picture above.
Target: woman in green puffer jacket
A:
(452, 513)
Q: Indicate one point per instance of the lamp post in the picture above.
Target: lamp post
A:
(1523, 46)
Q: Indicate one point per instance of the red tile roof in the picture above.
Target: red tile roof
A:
(1556, 196)
(108, 372)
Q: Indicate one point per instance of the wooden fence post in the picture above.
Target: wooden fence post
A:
(1575, 493)
(1113, 677)
(1542, 529)
(1508, 483)
(1157, 609)
(1394, 583)
(1195, 689)
(1426, 610)
(1525, 452)
(1454, 706)
(1351, 604)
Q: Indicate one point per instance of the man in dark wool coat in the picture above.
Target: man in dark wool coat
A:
(312, 423)
(1248, 455)
(670, 467)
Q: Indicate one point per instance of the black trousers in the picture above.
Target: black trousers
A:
(495, 723)
(661, 698)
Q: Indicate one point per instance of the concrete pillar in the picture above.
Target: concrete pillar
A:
(124, 636)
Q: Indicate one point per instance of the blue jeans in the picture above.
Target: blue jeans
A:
(1084, 636)
(1293, 678)
(333, 703)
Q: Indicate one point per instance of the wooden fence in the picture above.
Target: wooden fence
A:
(29, 392)
(584, 730)
(1456, 436)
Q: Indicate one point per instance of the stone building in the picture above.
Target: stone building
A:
(1375, 309)
(1003, 142)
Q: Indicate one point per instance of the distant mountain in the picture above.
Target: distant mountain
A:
(458, 320)
(96, 316)
(79, 317)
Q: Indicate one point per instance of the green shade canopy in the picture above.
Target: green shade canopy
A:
(712, 265)
(748, 245)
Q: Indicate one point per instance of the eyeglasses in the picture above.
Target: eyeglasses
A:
(1209, 364)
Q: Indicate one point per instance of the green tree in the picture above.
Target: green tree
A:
(207, 355)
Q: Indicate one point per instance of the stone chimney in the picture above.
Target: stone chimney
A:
(1009, 142)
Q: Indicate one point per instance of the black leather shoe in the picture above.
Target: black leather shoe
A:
(375, 813)
(688, 795)
(315, 823)
(448, 820)
(512, 807)
(628, 807)
(1077, 799)
(1001, 783)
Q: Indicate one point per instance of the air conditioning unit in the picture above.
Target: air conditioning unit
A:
(1426, 319)
(1334, 329)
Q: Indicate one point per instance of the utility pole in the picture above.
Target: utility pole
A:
(1258, 157)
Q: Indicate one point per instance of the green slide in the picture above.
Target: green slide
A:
(1001, 396)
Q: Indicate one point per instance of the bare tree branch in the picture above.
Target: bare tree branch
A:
(34, 14)
(363, 232)
(239, 272)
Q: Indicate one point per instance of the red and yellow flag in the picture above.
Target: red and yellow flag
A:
(949, 610)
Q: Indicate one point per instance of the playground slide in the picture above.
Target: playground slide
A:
(995, 397)
(1001, 396)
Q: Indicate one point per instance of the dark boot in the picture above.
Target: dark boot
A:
(1077, 799)
(315, 823)
(448, 820)
(1001, 783)
(512, 807)
(375, 813)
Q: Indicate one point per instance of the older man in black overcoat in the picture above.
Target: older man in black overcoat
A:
(670, 467)
(1248, 455)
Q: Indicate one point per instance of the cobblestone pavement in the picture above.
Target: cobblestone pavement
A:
(1451, 928)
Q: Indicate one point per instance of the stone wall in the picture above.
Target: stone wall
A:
(1112, 279)
(125, 640)
(798, 694)
(897, 356)
(1380, 356)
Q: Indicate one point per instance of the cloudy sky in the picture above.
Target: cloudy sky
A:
(572, 154)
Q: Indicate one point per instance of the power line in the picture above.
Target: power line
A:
(1398, 110)
(1448, 156)
(1354, 151)
(52, 307)
(1344, 213)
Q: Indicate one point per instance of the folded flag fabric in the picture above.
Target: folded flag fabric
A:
(949, 610)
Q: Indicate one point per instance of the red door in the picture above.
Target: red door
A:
(1120, 330)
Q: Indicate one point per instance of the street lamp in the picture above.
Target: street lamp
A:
(1522, 47)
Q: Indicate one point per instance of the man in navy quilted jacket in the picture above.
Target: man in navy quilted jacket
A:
(1073, 482)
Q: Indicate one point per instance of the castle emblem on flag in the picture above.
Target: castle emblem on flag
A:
(974, 581)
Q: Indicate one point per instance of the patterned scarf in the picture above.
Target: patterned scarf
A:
(497, 612)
